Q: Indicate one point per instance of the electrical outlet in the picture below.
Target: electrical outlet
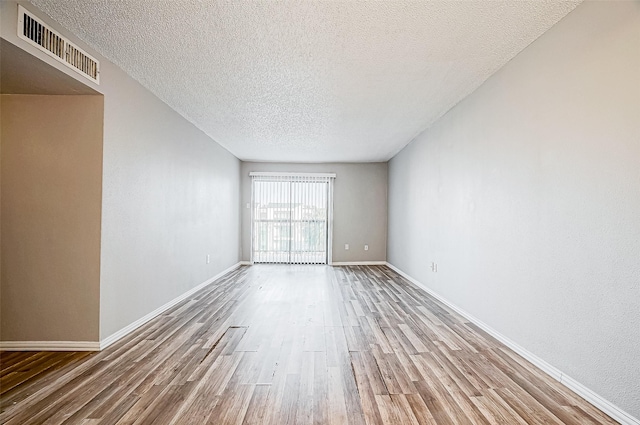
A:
(208, 258)
(366, 247)
(346, 247)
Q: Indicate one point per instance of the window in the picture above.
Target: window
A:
(291, 218)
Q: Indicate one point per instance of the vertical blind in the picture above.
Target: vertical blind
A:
(291, 217)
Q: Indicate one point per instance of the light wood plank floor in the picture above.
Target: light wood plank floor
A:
(293, 345)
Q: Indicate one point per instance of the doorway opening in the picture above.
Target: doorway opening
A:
(291, 218)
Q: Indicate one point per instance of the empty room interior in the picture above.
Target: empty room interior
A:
(319, 212)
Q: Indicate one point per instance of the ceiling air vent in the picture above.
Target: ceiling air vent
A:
(32, 30)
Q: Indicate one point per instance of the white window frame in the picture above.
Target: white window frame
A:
(330, 179)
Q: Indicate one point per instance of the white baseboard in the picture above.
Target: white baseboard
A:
(49, 346)
(359, 263)
(598, 401)
(135, 325)
(344, 263)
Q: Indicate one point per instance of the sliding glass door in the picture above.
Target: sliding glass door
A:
(290, 219)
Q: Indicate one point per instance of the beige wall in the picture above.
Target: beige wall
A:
(527, 196)
(51, 195)
(360, 207)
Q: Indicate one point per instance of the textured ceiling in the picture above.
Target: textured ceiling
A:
(309, 81)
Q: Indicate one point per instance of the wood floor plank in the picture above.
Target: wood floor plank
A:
(274, 344)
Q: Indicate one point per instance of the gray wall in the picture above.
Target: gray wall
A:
(527, 195)
(170, 199)
(170, 195)
(360, 207)
(51, 195)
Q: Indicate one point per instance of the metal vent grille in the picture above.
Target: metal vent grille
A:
(32, 30)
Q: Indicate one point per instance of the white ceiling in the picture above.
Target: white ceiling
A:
(309, 81)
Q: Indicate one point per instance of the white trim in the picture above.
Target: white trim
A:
(278, 174)
(330, 222)
(135, 325)
(245, 263)
(49, 346)
(359, 263)
(598, 401)
(252, 218)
